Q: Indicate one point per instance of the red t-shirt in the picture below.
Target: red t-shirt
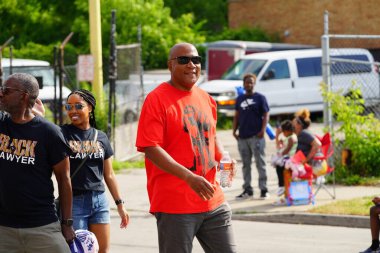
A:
(183, 123)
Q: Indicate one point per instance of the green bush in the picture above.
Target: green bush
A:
(224, 122)
(352, 180)
(361, 132)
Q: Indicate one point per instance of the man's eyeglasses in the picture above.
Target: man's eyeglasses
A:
(7, 90)
(69, 107)
(186, 59)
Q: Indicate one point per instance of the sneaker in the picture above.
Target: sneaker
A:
(264, 195)
(280, 191)
(244, 195)
(369, 250)
(280, 202)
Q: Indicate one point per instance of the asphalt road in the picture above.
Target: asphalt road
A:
(261, 237)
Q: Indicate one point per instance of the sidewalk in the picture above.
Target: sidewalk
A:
(264, 210)
(133, 186)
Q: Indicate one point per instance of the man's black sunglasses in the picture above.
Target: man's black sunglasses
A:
(186, 59)
(69, 107)
(6, 90)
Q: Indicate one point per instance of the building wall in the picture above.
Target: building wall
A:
(301, 21)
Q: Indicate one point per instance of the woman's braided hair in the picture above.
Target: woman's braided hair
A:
(90, 99)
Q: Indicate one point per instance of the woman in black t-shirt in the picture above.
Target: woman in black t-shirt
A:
(307, 142)
(90, 204)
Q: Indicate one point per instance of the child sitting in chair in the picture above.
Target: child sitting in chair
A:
(286, 142)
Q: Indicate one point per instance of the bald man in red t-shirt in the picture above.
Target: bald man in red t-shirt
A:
(177, 133)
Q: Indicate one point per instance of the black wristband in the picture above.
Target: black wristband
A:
(67, 222)
(119, 201)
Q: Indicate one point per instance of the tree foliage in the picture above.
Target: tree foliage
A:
(159, 30)
(361, 132)
(40, 25)
(213, 15)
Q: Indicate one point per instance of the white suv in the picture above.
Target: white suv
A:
(290, 79)
(39, 69)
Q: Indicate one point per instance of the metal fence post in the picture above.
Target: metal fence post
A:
(61, 71)
(112, 80)
(1, 55)
(326, 70)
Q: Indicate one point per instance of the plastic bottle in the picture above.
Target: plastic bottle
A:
(270, 132)
(225, 170)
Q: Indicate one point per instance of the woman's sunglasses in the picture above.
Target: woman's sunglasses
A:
(186, 59)
(69, 107)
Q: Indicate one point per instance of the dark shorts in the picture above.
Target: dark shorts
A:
(213, 230)
(44, 239)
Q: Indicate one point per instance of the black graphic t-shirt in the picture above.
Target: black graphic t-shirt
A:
(251, 110)
(82, 144)
(28, 153)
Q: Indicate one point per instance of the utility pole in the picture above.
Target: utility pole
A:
(96, 50)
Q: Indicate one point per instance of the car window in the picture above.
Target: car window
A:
(309, 66)
(277, 70)
(313, 66)
(349, 68)
(45, 72)
(242, 67)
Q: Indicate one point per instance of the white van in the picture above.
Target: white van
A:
(290, 79)
(39, 69)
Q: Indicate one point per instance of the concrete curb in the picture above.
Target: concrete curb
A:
(353, 221)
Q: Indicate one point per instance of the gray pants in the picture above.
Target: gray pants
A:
(213, 230)
(44, 239)
(253, 146)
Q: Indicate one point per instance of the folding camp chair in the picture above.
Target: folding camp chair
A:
(326, 150)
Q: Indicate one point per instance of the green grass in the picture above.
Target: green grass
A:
(355, 180)
(118, 165)
(371, 181)
(356, 206)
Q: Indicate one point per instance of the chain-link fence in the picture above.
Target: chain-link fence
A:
(127, 99)
(352, 68)
(70, 77)
(351, 62)
(131, 87)
(129, 96)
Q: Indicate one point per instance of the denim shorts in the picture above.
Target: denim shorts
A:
(90, 208)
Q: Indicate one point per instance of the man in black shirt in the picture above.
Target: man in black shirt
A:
(31, 148)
